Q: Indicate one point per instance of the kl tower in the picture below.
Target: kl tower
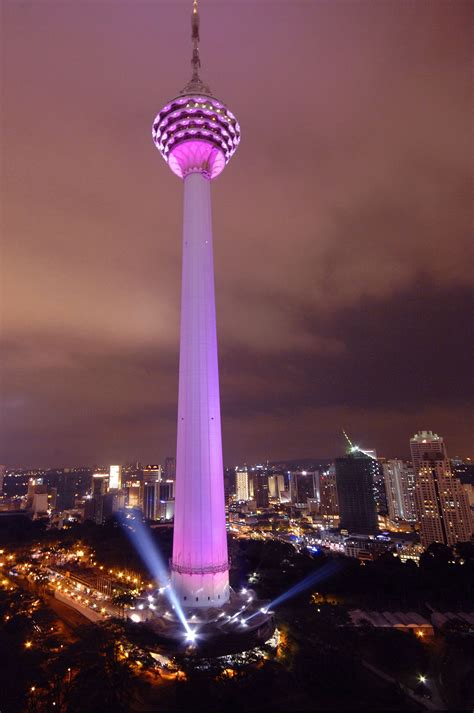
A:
(196, 134)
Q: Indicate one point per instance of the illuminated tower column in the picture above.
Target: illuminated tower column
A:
(197, 135)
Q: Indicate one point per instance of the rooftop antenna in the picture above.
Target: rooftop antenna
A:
(351, 446)
(195, 85)
(353, 449)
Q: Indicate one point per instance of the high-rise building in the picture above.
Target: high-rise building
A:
(197, 135)
(151, 494)
(400, 488)
(100, 487)
(303, 486)
(276, 485)
(260, 488)
(2, 476)
(230, 485)
(442, 505)
(37, 498)
(355, 493)
(115, 477)
(152, 471)
(170, 468)
(423, 445)
(380, 493)
(242, 485)
(329, 506)
(71, 486)
(167, 490)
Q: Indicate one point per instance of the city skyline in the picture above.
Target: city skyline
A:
(355, 255)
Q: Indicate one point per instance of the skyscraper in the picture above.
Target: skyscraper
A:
(276, 485)
(303, 486)
(151, 495)
(355, 493)
(400, 488)
(260, 488)
(424, 443)
(115, 477)
(170, 468)
(442, 505)
(100, 487)
(329, 505)
(197, 135)
(242, 484)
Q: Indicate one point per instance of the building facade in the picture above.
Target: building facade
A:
(329, 504)
(242, 492)
(400, 489)
(355, 493)
(442, 504)
(303, 487)
(423, 445)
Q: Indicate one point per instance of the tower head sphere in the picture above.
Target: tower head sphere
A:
(196, 133)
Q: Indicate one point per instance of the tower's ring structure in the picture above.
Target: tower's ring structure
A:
(196, 133)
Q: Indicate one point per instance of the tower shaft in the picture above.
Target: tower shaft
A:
(200, 575)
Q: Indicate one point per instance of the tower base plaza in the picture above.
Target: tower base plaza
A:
(241, 624)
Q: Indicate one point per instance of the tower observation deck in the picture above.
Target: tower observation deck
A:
(197, 135)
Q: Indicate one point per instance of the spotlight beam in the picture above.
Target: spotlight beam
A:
(141, 539)
(326, 571)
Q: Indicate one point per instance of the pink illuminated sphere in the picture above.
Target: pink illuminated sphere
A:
(196, 133)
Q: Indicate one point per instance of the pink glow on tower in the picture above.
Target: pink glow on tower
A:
(197, 135)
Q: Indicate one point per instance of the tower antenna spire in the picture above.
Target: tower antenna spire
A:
(195, 85)
(195, 60)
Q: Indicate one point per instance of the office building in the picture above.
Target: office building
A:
(276, 485)
(423, 445)
(242, 492)
(260, 488)
(399, 478)
(115, 477)
(303, 486)
(329, 506)
(170, 468)
(442, 503)
(355, 493)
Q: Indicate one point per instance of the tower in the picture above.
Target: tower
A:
(197, 135)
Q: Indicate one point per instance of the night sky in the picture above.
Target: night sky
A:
(342, 227)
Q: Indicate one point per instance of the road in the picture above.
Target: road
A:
(69, 616)
(434, 705)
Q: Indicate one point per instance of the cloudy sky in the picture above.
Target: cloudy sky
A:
(342, 226)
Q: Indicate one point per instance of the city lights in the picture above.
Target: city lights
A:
(301, 571)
